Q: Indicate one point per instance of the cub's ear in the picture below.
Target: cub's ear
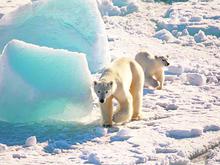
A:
(110, 83)
(156, 57)
(95, 83)
(167, 56)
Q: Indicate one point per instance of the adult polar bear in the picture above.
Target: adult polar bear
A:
(124, 81)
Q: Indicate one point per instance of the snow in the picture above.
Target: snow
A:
(187, 135)
(200, 23)
(175, 69)
(181, 134)
(117, 7)
(177, 160)
(44, 22)
(164, 35)
(100, 131)
(214, 157)
(31, 141)
(122, 135)
(200, 36)
(43, 83)
(3, 147)
(196, 79)
(93, 159)
(18, 156)
(171, 107)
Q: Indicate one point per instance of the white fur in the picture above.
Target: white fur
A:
(127, 79)
(153, 69)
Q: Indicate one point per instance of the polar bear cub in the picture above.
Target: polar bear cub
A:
(153, 69)
(123, 80)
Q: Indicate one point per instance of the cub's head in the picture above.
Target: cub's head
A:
(163, 61)
(103, 90)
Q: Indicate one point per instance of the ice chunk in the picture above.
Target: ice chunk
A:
(94, 159)
(3, 147)
(122, 135)
(200, 36)
(171, 107)
(71, 24)
(175, 69)
(164, 35)
(185, 32)
(43, 83)
(57, 151)
(117, 7)
(181, 134)
(100, 131)
(175, 159)
(196, 79)
(31, 141)
(106, 7)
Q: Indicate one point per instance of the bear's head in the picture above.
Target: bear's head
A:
(103, 90)
(162, 61)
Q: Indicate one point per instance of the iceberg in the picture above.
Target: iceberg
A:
(74, 25)
(40, 83)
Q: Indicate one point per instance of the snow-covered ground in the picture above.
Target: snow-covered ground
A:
(181, 123)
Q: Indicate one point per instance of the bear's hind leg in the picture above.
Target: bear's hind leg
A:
(137, 93)
(125, 112)
(150, 81)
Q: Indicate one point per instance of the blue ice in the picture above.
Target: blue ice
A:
(39, 83)
(74, 25)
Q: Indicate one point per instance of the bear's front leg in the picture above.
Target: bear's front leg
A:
(126, 109)
(160, 77)
(107, 112)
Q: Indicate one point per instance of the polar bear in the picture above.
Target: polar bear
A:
(153, 69)
(123, 80)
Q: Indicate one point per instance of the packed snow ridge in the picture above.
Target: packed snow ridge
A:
(189, 23)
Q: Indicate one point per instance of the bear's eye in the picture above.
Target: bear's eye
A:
(98, 91)
(106, 91)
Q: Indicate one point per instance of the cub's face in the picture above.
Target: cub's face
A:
(103, 90)
(163, 61)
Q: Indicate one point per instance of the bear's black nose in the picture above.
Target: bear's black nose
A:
(168, 64)
(101, 100)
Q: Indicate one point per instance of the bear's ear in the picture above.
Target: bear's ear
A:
(156, 57)
(95, 83)
(110, 83)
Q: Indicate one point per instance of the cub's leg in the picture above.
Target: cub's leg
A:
(160, 77)
(126, 108)
(150, 81)
(107, 112)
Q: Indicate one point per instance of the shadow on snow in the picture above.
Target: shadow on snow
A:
(61, 135)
